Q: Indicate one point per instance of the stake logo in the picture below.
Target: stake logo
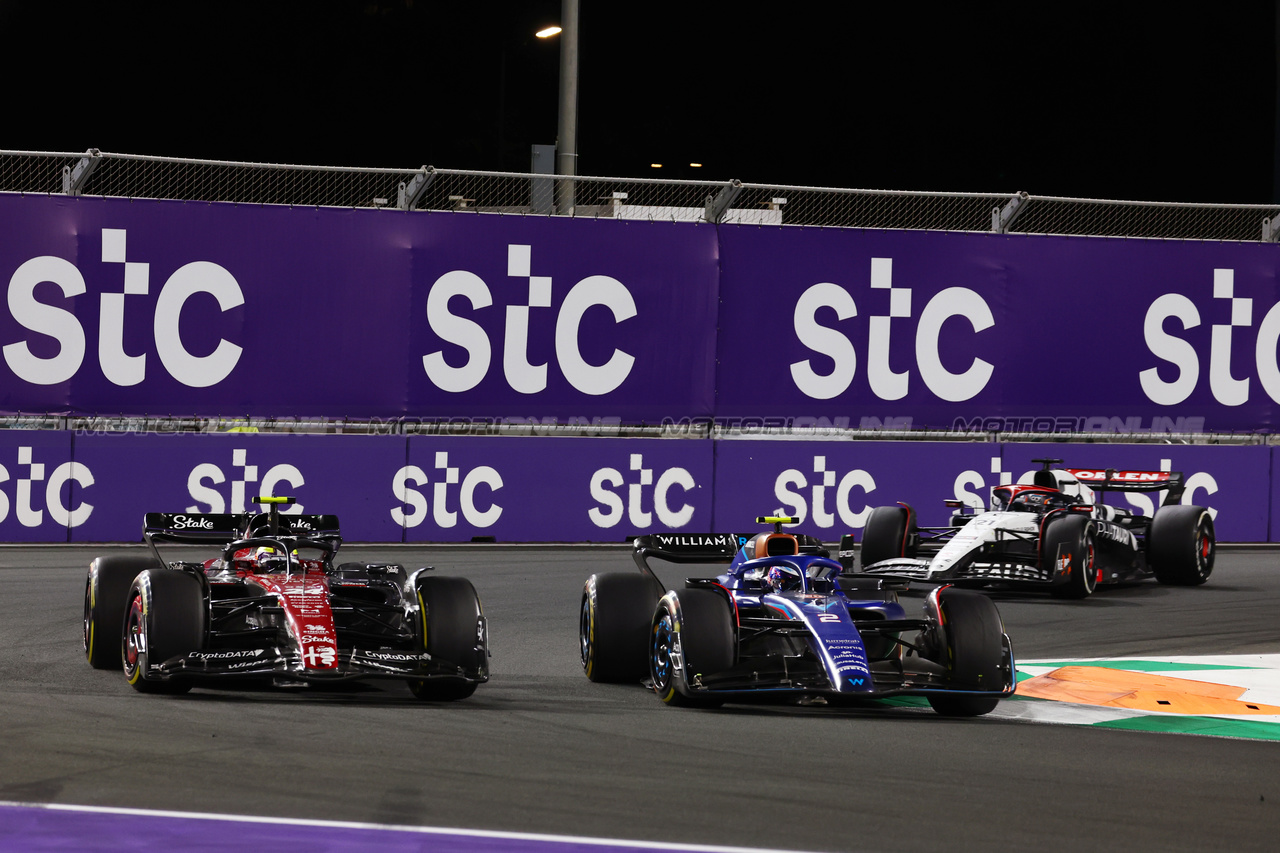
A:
(121, 368)
(521, 375)
(207, 484)
(641, 493)
(28, 476)
(446, 502)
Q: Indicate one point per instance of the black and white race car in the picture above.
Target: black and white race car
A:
(274, 606)
(1056, 533)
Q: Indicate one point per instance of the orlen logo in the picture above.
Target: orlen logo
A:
(824, 494)
(118, 366)
(526, 378)
(206, 482)
(886, 384)
(26, 490)
(1184, 354)
(607, 491)
(449, 489)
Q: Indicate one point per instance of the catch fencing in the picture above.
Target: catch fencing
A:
(428, 188)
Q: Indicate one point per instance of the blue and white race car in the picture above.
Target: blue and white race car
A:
(782, 620)
(1055, 533)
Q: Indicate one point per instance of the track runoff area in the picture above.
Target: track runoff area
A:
(1235, 696)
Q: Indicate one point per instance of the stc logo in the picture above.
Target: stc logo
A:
(118, 366)
(886, 384)
(26, 489)
(203, 479)
(607, 491)
(1184, 354)
(523, 377)
(442, 482)
(829, 494)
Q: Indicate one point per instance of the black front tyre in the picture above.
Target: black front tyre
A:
(106, 598)
(695, 625)
(613, 625)
(164, 619)
(890, 533)
(1181, 545)
(1067, 548)
(453, 630)
(972, 650)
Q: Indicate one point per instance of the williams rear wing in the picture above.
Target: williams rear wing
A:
(703, 548)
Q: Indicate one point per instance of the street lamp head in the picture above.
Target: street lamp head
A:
(548, 32)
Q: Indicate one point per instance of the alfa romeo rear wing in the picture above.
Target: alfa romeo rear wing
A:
(222, 528)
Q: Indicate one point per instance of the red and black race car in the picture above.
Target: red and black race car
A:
(273, 605)
(1055, 533)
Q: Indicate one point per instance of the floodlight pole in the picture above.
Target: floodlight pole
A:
(567, 132)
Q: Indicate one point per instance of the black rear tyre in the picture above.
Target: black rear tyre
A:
(165, 618)
(890, 533)
(613, 625)
(1068, 546)
(452, 630)
(106, 598)
(972, 650)
(1181, 545)
(698, 624)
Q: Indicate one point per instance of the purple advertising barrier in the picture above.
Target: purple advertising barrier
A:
(181, 308)
(833, 485)
(549, 489)
(1233, 482)
(56, 486)
(44, 492)
(132, 474)
(997, 333)
(579, 319)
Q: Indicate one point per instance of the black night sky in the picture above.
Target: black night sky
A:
(1139, 100)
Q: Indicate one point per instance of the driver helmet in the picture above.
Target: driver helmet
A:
(268, 559)
(781, 578)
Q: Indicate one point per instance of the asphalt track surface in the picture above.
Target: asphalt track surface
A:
(540, 749)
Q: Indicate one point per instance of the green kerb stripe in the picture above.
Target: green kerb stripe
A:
(1142, 665)
(1198, 726)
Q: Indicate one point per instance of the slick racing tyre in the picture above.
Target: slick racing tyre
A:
(890, 533)
(452, 630)
(971, 647)
(106, 598)
(1067, 547)
(613, 625)
(697, 626)
(164, 619)
(1181, 545)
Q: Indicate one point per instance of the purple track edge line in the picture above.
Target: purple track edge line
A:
(40, 827)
